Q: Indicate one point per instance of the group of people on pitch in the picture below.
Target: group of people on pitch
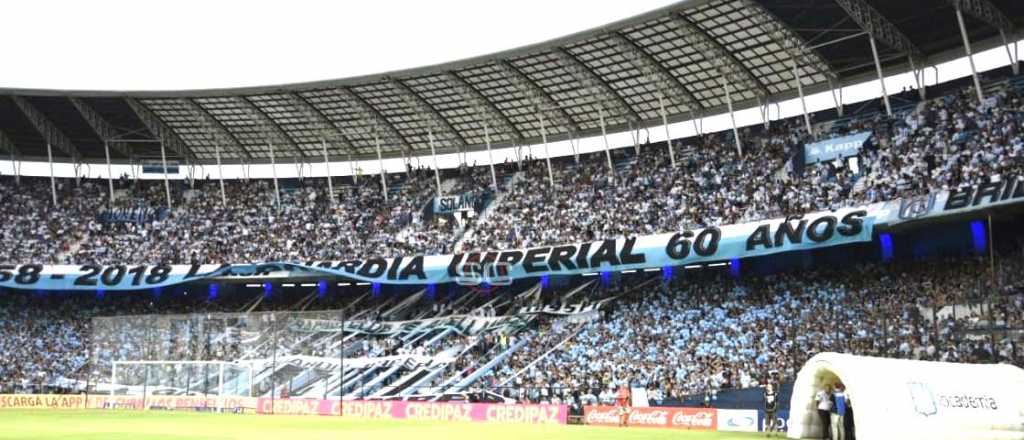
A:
(836, 412)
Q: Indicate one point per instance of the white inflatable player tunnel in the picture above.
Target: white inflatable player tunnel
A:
(908, 400)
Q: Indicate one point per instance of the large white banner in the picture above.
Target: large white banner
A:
(818, 230)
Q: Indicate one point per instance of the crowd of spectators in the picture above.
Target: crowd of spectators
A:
(706, 334)
(715, 332)
(39, 341)
(700, 334)
(938, 144)
(252, 228)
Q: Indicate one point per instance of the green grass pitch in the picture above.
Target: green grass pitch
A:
(150, 425)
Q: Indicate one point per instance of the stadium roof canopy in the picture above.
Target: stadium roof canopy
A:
(689, 52)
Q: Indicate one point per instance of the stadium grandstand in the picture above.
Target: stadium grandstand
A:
(298, 249)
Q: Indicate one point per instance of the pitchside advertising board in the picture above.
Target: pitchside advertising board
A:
(406, 410)
(739, 420)
(654, 417)
(398, 410)
(709, 419)
(81, 401)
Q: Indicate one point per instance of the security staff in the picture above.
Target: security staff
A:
(770, 409)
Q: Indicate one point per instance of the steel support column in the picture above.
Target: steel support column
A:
(380, 163)
(15, 169)
(433, 155)
(490, 157)
(352, 169)
(762, 107)
(634, 133)
(803, 101)
(970, 56)
(607, 149)
(110, 174)
(574, 143)
(664, 122)
(732, 117)
(837, 96)
(987, 12)
(220, 173)
(167, 183)
(519, 156)
(881, 77)
(918, 78)
(1011, 52)
(53, 181)
(273, 170)
(547, 154)
(327, 166)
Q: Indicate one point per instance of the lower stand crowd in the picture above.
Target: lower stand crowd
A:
(697, 334)
(709, 333)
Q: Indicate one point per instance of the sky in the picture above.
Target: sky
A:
(196, 44)
(187, 44)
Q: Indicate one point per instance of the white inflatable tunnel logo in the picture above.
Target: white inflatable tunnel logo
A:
(924, 400)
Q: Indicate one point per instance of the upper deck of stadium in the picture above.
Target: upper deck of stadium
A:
(695, 54)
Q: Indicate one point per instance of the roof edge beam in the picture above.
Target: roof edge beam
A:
(379, 120)
(646, 63)
(722, 56)
(47, 128)
(211, 123)
(326, 124)
(795, 46)
(594, 82)
(536, 94)
(100, 126)
(265, 120)
(880, 27)
(471, 93)
(159, 128)
(414, 100)
(985, 11)
(8, 145)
